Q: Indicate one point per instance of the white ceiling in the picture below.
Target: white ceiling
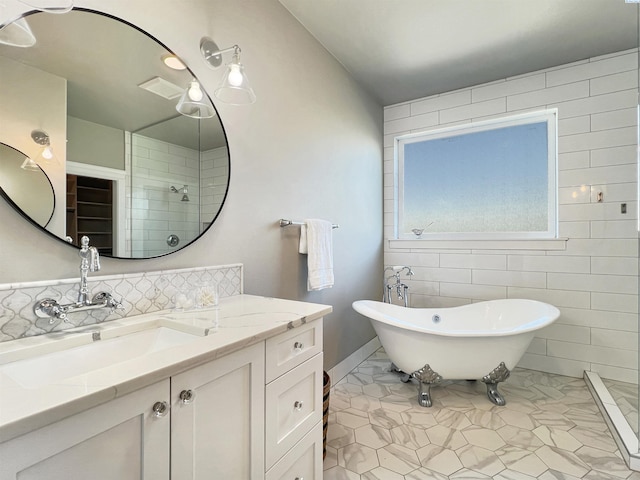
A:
(401, 50)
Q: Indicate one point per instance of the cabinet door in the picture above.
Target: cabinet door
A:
(120, 440)
(217, 419)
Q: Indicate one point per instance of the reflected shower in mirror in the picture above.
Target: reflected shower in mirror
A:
(103, 91)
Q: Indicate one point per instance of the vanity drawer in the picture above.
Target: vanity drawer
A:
(291, 348)
(304, 460)
(293, 404)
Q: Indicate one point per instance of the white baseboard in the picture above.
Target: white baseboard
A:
(343, 368)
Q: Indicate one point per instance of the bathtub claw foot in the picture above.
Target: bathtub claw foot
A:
(404, 377)
(497, 375)
(494, 395)
(426, 377)
(424, 397)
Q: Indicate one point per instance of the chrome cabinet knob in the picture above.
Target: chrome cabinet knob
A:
(160, 409)
(298, 405)
(298, 346)
(187, 396)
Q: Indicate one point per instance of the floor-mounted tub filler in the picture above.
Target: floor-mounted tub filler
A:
(483, 340)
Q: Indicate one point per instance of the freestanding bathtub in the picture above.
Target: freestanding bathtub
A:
(483, 340)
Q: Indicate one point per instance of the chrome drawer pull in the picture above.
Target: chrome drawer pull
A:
(160, 409)
(187, 396)
(298, 346)
(299, 478)
(298, 405)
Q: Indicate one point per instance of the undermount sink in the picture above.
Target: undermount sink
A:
(61, 365)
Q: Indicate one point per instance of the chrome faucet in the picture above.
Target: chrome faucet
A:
(401, 288)
(89, 262)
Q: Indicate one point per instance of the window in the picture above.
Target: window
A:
(490, 180)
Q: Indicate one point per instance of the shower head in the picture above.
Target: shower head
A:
(184, 190)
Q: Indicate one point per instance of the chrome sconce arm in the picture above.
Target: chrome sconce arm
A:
(212, 54)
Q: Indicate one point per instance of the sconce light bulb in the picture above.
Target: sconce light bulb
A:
(195, 93)
(47, 153)
(235, 75)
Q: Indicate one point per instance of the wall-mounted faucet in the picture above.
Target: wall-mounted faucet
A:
(401, 288)
(89, 262)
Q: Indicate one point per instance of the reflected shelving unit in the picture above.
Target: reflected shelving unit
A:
(90, 211)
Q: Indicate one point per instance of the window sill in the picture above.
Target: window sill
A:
(541, 244)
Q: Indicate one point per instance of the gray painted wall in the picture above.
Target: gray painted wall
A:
(310, 147)
(95, 144)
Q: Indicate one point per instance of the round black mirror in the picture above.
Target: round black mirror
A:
(128, 169)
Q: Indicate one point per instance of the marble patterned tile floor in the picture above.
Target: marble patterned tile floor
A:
(550, 429)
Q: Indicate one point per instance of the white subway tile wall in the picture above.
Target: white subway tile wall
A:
(594, 281)
(156, 211)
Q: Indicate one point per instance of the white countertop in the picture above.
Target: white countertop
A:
(238, 321)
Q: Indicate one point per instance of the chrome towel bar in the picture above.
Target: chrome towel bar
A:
(286, 223)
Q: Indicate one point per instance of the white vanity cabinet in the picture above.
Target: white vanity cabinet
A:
(257, 409)
(120, 440)
(217, 418)
(252, 414)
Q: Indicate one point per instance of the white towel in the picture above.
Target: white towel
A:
(316, 241)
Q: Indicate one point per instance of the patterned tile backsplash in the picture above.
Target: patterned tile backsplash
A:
(145, 292)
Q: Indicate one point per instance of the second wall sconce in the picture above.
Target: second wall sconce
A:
(234, 87)
(194, 103)
(46, 153)
(50, 6)
(17, 33)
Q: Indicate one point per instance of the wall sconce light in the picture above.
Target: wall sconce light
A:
(46, 155)
(18, 33)
(194, 103)
(234, 87)
(49, 6)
